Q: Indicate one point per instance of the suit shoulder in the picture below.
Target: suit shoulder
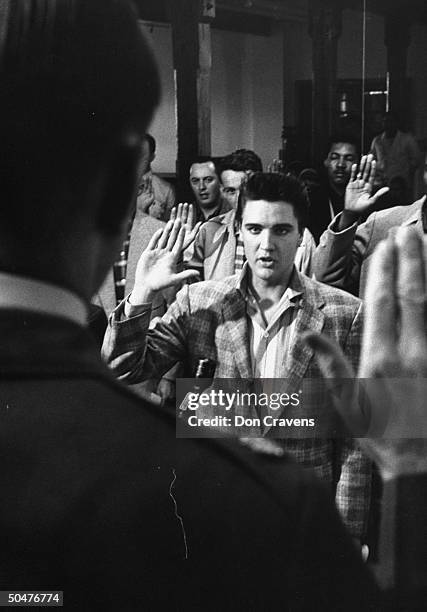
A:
(395, 216)
(210, 290)
(331, 295)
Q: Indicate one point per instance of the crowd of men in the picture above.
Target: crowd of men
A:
(257, 278)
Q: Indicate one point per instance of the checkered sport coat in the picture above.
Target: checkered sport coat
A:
(208, 320)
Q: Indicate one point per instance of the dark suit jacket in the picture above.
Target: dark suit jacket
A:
(100, 500)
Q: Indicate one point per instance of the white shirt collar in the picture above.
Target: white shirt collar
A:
(38, 296)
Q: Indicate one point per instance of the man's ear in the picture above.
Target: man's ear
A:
(326, 162)
(119, 186)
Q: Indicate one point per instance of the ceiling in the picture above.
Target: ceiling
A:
(258, 16)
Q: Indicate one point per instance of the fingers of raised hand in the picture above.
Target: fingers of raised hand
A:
(340, 381)
(174, 234)
(361, 167)
(394, 342)
(367, 170)
(411, 299)
(191, 216)
(154, 240)
(379, 338)
(179, 241)
(353, 172)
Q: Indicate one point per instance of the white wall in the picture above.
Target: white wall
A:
(247, 93)
(163, 127)
(247, 87)
(253, 80)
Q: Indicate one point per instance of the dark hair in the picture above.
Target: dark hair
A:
(275, 187)
(151, 143)
(346, 137)
(241, 160)
(74, 76)
(205, 159)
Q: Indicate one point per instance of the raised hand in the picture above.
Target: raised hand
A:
(358, 194)
(393, 414)
(157, 266)
(146, 195)
(185, 212)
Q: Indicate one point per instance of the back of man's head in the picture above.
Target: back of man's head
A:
(77, 87)
(241, 160)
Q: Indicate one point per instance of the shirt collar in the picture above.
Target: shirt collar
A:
(294, 291)
(19, 292)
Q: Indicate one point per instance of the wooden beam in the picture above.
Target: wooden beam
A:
(192, 68)
(324, 28)
(397, 38)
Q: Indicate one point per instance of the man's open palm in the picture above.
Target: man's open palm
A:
(358, 194)
(157, 266)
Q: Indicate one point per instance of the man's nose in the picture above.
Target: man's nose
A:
(341, 162)
(266, 241)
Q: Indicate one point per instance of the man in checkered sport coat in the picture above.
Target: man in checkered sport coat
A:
(251, 325)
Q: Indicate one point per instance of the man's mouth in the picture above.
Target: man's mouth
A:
(266, 261)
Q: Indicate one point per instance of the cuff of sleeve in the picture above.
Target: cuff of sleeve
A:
(131, 310)
(333, 226)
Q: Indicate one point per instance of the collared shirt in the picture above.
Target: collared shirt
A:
(223, 207)
(270, 344)
(23, 293)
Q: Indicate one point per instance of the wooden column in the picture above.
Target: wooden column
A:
(325, 29)
(397, 37)
(192, 68)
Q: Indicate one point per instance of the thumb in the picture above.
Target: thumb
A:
(379, 193)
(340, 381)
(329, 356)
(182, 277)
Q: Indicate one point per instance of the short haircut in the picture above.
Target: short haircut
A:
(346, 137)
(274, 187)
(151, 143)
(75, 76)
(241, 160)
(205, 159)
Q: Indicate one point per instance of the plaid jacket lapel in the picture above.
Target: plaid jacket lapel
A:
(309, 318)
(236, 332)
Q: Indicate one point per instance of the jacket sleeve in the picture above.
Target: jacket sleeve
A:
(136, 353)
(354, 469)
(340, 255)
